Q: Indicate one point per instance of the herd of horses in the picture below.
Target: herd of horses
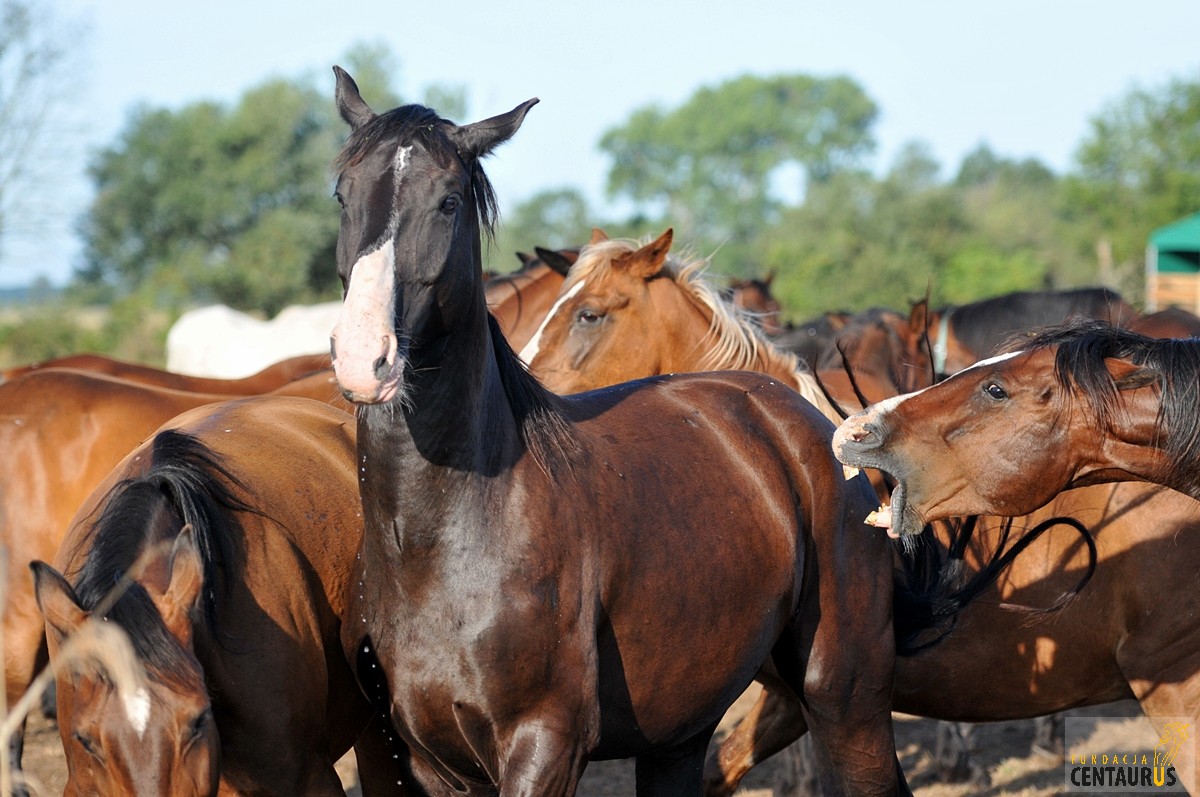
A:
(480, 569)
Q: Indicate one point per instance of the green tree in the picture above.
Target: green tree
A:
(552, 219)
(1137, 169)
(221, 203)
(708, 165)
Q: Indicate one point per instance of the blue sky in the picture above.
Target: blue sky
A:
(1024, 76)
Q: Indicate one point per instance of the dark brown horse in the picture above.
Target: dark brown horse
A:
(238, 523)
(963, 334)
(1080, 404)
(265, 380)
(565, 566)
(62, 432)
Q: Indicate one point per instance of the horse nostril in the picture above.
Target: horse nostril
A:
(333, 349)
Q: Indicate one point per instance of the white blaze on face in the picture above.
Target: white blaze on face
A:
(364, 331)
(531, 348)
(364, 334)
(137, 710)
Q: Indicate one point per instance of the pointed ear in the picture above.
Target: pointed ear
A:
(648, 261)
(56, 599)
(525, 259)
(559, 262)
(179, 602)
(918, 317)
(349, 102)
(480, 138)
(598, 236)
(1128, 376)
(769, 278)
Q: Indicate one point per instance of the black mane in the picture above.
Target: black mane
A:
(984, 325)
(421, 125)
(1174, 364)
(186, 483)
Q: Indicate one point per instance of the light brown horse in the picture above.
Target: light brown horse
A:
(62, 431)
(629, 310)
(240, 522)
(265, 380)
(565, 566)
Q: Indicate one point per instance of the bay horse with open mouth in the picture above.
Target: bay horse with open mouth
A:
(1082, 403)
(551, 580)
(232, 531)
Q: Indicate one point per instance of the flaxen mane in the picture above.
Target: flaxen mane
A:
(733, 341)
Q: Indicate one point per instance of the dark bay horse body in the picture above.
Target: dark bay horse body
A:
(963, 334)
(1031, 683)
(545, 550)
(267, 379)
(63, 431)
(241, 522)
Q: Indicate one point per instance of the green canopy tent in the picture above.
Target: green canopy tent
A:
(1173, 265)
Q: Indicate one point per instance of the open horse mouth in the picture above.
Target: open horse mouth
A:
(859, 442)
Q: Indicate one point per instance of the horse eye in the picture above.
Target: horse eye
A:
(588, 318)
(87, 744)
(450, 203)
(995, 391)
(199, 725)
(340, 200)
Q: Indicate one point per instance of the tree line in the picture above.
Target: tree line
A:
(231, 202)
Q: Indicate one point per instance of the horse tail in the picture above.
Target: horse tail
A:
(930, 587)
(186, 483)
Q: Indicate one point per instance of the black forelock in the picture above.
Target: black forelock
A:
(422, 126)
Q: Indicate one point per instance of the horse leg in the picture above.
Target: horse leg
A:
(953, 754)
(1048, 736)
(24, 655)
(775, 721)
(677, 770)
(383, 759)
(1169, 696)
(542, 760)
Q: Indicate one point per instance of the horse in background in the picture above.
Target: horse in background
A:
(753, 295)
(963, 334)
(218, 341)
(520, 300)
(236, 526)
(269, 378)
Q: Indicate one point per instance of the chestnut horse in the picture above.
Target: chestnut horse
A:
(240, 522)
(63, 431)
(267, 379)
(1079, 404)
(627, 311)
(569, 585)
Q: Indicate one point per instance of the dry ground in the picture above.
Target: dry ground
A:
(1003, 749)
